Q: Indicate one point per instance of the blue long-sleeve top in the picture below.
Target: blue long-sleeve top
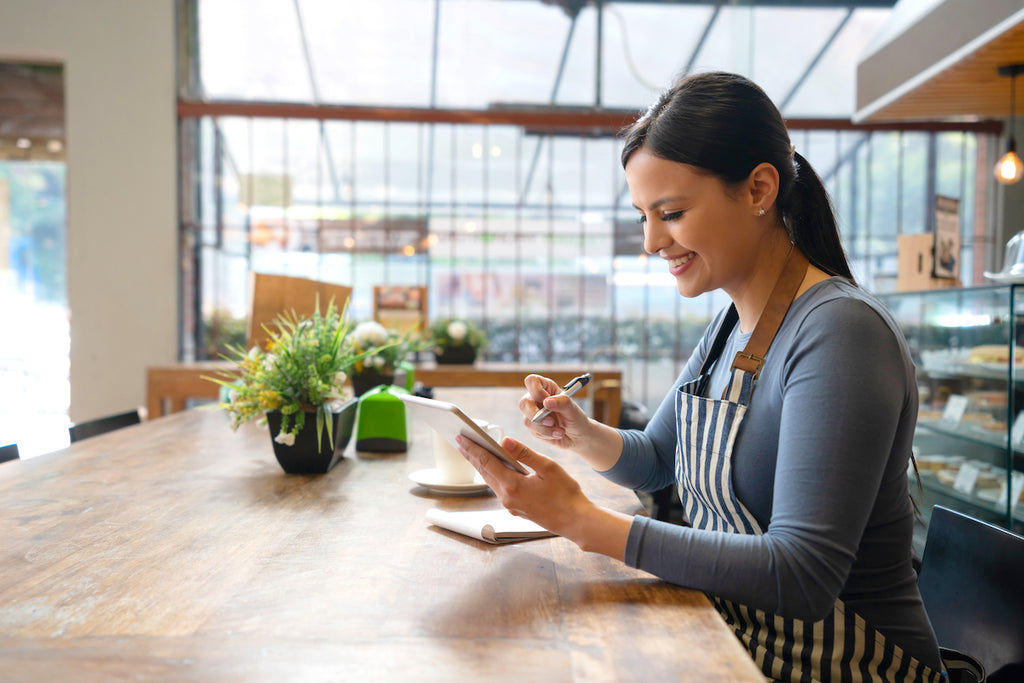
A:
(820, 461)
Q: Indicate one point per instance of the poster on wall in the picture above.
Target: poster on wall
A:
(947, 238)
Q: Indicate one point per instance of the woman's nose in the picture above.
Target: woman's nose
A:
(655, 237)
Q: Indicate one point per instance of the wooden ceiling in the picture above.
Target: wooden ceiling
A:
(965, 84)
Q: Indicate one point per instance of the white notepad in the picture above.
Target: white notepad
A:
(491, 526)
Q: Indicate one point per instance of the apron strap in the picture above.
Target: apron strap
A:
(720, 338)
(751, 358)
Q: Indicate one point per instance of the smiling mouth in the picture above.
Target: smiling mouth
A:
(676, 262)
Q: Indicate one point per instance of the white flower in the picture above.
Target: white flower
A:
(286, 439)
(254, 351)
(376, 361)
(339, 378)
(457, 330)
(269, 361)
(233, 395)
(370, 333)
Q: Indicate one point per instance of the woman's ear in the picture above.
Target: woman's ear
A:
(763, 187)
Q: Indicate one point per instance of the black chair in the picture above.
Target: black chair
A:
(9, 452)
(970, 582)
(102, 425)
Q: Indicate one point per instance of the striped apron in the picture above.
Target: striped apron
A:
(840, 647)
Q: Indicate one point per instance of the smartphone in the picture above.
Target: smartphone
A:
(448, 420)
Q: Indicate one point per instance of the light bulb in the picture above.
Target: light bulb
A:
(1009, 169)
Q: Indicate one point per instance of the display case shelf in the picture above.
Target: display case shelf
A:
(965, 346)
(989, 505)
(970, 433)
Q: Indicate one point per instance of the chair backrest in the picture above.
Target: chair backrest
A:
(970, 582)
(101, 425)
(8, 453)
(272, 295)
(400, 307)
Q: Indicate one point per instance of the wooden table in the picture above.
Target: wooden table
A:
(182, 381)
(178, 550)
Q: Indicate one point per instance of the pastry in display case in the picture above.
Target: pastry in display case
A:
(969, 443)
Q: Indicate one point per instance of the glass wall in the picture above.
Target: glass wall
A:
(35, 346)
(532, 235)
(528, 230)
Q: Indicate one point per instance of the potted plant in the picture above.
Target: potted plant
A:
(298, 384)
(456, 340)
(381, 351)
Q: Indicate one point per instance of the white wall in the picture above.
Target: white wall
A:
(119, 80)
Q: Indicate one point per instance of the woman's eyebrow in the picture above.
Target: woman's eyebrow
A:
(664, 200)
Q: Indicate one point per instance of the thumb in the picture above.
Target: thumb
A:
(567, 408)
(524, 454)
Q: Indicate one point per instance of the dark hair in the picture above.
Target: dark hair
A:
(726, 125)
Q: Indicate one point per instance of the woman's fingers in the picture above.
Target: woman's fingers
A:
(539, 391)
(483, 461)
(538, 388)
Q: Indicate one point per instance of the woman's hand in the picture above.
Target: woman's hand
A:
(550, 497)
(566, 427)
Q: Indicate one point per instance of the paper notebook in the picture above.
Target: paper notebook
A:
(491, 526)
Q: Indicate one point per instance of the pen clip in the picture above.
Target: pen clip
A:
(582, 380)
(575, 384)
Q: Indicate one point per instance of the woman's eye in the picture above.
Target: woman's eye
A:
(641, 219)
(671, 216)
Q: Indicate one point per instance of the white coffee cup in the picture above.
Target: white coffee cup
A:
(452, 467)
(494, 430)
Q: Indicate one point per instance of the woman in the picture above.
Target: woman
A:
(788, 432)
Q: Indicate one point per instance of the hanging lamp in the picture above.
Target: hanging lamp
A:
(1009, 169)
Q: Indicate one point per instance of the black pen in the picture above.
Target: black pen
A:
(574, 385)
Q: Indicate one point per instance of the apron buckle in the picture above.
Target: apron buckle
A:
(748, 362)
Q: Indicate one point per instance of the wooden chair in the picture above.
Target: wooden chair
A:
(400, 307)
(271, 295)
(970, 582)
(8, 453)
(102, 425)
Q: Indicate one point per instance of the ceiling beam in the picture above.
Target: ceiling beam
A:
(555, 118)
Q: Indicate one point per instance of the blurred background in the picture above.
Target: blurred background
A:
(466, 145)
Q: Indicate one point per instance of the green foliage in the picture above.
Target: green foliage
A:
(303, 370)
(446, 333)
(221, 332)
(383, 348)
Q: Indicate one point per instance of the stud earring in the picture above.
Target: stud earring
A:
(761, 211)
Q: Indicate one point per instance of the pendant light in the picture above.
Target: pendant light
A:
(1009, 169)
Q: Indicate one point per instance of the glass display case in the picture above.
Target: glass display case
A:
(969, 443)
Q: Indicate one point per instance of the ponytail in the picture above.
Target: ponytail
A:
(811, 221)
(726, 125)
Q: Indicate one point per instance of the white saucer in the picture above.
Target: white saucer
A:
(430, 479)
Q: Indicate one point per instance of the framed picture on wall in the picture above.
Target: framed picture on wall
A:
(947, 238)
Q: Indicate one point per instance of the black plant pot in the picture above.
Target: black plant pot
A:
(369, 378)
(464, 354)
(303, 457)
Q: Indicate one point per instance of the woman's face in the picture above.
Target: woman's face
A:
(704, 235)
